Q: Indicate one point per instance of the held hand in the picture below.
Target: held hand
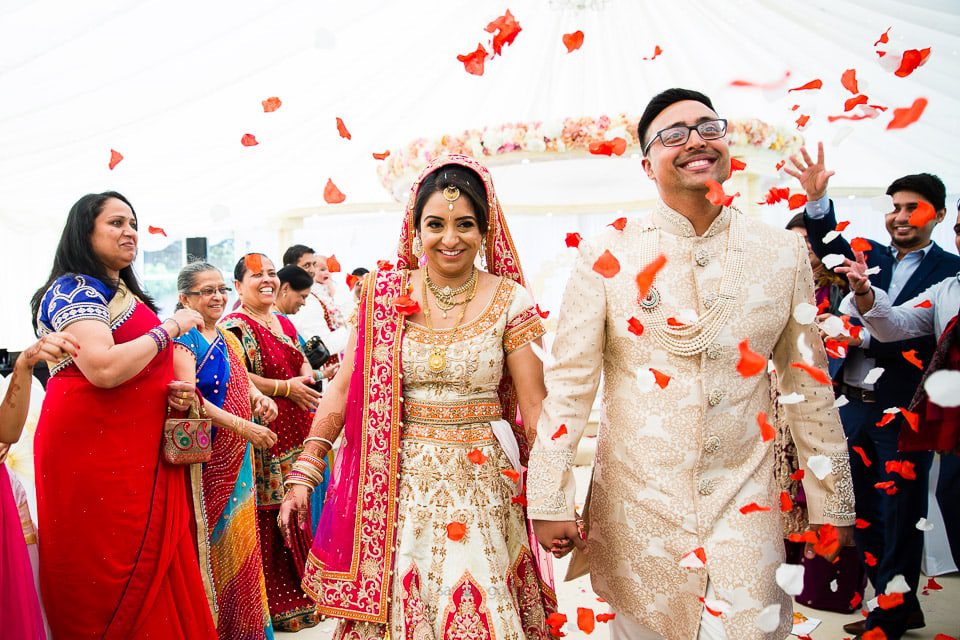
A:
(302, 395)
(185, 320)
(52, 347)
(844, 536)
(559, 538)
(180, 394)
(294, 511)
(856, 273)
(813, 176)
(259, 436)
(265, 408)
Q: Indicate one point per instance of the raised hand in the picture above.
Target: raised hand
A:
(813, 176)
(856, 273)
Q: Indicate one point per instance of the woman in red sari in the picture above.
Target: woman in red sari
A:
(117, 556)
(278, 368)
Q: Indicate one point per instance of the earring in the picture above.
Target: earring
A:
(483, 254)
(417, 247)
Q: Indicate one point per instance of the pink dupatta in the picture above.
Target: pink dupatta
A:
(349, 569)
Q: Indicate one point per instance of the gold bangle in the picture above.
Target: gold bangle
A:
(276, 385)
(287, 392)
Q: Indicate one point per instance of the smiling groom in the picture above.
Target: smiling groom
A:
(683, 507)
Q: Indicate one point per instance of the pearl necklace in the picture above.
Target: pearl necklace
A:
(692, 339)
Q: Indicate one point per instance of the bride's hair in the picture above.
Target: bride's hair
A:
(464, 179)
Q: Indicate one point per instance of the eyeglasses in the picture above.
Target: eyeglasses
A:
(208, 292)
(676, 136)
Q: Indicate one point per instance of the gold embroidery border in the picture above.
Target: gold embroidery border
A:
(443, 413)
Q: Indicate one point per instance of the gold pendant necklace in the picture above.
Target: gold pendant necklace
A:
(437, 361)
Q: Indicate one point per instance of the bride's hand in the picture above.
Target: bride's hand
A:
(295, 511)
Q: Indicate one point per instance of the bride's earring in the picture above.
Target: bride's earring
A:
(417, 246)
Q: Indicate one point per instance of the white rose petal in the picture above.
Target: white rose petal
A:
(833, 586)
(892, 410)
(872, 604)
(924, 525)
(872, 271)
(872, 376)
(792, 398)
(545, 357)
(790, 578)
(688, 316)
(833, 326)
(830, 236)
(804, 313)
(645, 379)
(819, 466)
(832, 260)
(897, 584)
(769, 619)
(805, 351)
(691, 561)
(841, 401)
(771, 368)
(718, 606)
(943, 387)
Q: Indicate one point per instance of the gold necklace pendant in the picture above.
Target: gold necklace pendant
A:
(438, 359)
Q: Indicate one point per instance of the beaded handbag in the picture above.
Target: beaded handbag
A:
(186, 440)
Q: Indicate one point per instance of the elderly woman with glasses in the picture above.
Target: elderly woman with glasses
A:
(227, 527)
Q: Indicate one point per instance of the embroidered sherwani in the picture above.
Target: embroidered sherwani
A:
(674, 465)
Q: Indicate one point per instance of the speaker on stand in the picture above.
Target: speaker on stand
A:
(196, 250)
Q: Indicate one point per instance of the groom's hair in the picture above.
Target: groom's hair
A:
(663, 100)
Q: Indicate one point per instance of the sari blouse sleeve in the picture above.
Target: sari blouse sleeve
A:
(191, 342)
(72, 298)
(523, 321)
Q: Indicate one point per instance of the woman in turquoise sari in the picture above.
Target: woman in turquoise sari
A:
(225, 496)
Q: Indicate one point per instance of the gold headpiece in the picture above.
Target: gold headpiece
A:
(451, 194)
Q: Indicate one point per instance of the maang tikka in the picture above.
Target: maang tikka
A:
(451, 194)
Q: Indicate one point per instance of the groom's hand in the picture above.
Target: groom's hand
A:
(558, 538)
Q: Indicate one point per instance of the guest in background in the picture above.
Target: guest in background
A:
(117, 555)
(278, 368)
(229, 540)
(295, 284)
(317, 317)
(359, 273)
(909, 262)
(20, 615)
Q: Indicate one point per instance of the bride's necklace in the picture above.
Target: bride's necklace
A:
(692, 339)
(438, 355)
(446, 296)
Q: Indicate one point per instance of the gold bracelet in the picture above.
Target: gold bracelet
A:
(287, 392)
(276, 385)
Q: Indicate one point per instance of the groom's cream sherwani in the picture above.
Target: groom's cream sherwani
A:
(675, 465)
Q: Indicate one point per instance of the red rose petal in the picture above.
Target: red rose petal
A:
(923, 214)
(635, 327)
(911, 357)
(157, 231)
(849, 81)
(115, 158)
(476, 456)
(456, 531)
(271, 104)
(562, 431)
(750, 363)
(813, 84)
(342, 129)
(767, 432)
(573, 41)
(607, 265)
(381, 156)
(585, 620)
(648, 274)
(716, 196)
(819, 375)
(863, 456)
(861, 244)
(660, 378)
(905, 117)
(473, 62)
(752, 508)
(333, 265)
(573, 239)
(248, 140)
(331, 194)
(619, 224)
(505, 30)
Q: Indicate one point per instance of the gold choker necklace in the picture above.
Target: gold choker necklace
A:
(446, 296)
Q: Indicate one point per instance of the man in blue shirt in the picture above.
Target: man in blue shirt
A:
(907, 265)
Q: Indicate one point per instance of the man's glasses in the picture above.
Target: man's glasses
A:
(676, 136)
(208, 292)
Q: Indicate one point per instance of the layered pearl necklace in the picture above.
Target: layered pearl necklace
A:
(692, 339)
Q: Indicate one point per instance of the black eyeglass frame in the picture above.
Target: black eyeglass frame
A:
(689, 128)
(221, 290)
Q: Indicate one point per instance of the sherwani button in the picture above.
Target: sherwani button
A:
(711, 444)
(702, 257)
(714, 350)
(709, 300)
(714, 398)
(705, 487)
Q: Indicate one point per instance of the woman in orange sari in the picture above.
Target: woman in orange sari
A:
(117, 555)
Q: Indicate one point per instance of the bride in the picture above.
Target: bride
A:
(424, 533)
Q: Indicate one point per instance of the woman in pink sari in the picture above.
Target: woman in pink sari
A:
(20, 615)
(424, 533)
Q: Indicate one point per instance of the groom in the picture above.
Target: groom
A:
(683, 506)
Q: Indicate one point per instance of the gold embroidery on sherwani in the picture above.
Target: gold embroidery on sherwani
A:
(674, 465)
(462, 587)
